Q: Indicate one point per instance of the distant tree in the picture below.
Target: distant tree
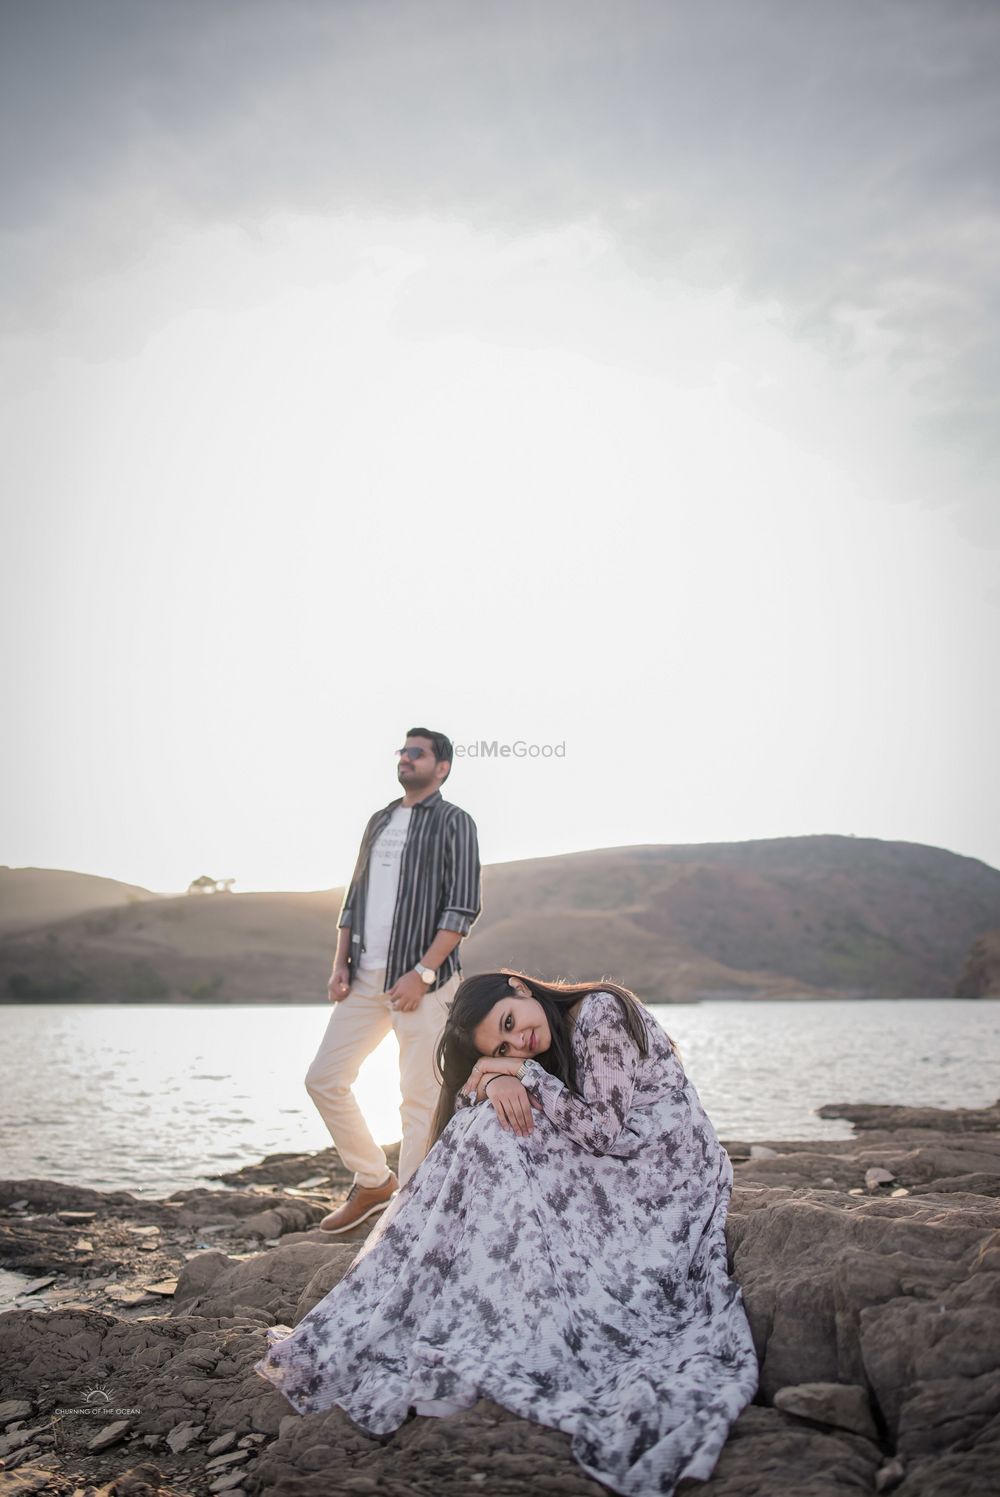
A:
(206, 885)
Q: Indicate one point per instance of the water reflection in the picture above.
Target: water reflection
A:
(760, 1069)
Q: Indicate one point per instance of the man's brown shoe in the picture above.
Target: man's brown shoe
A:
(362, 1202)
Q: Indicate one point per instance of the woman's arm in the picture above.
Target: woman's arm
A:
(607, 1072)
(473, 1089)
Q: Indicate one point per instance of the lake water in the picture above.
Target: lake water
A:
(153, 1099)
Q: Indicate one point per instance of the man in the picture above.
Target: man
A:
(414, 894)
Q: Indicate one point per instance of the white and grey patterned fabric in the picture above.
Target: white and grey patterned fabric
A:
(577, 1276)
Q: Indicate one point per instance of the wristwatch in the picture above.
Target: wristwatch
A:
(427, 974)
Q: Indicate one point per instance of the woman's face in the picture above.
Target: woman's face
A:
(516, 1027)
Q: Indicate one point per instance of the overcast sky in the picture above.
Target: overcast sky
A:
(621, 376)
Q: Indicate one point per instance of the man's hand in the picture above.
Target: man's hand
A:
(406, 994)
(340, 983)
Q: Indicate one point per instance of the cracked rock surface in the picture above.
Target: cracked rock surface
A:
(870, 1270)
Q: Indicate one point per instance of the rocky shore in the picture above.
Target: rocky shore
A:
(870, 1269)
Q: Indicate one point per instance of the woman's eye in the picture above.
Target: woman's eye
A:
(508, 1024)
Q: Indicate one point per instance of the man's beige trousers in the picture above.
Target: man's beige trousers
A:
(358, 1023)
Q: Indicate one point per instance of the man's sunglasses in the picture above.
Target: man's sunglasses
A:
(411, 753)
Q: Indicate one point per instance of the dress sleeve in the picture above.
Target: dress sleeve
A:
(607, 1061)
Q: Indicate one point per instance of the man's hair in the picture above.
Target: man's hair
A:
(440, 743)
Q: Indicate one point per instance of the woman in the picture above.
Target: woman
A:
(560, 1250)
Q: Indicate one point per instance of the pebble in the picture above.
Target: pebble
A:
(109, 1436)
(13, 1441)
(17, 1439)
(122, 1295)
(838, 1405)
(226, 1483)
(221, 1443)
(889, 1475)
(27, 1436)
(875, 1177)
(233, 1458)
(39, 1481)
(26, 1453)
(181, 1436)
(14, 1408)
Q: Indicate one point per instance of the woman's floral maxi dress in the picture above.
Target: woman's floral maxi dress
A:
(576, 1276)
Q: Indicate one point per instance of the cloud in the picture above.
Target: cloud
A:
(839, 162)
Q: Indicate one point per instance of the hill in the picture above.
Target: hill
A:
(854, 916)
(819, 916)
(35, 896)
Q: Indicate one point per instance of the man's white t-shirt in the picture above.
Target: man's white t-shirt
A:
(383, 886)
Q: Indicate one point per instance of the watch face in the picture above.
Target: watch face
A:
(427, 974)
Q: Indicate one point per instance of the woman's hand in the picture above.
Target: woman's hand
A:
(485, 1067)
(511, 1104)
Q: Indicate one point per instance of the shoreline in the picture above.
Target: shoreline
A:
(868, 1265)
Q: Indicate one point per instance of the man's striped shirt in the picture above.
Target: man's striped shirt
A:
(439, 886)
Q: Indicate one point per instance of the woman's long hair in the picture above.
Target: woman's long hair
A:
(456, 1051)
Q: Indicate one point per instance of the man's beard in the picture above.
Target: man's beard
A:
(414, 778)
